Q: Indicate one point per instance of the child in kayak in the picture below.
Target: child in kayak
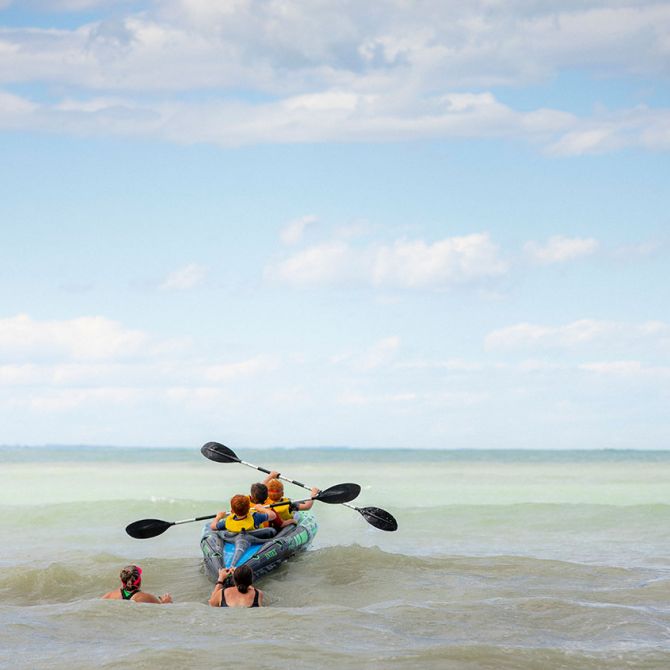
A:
(241, 517)
(258, 494)
(276, 494)
(131, 582)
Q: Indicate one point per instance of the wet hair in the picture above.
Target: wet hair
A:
(243, 578)
(275, 487)
(131, 577)
(240, 505)
(259, 493)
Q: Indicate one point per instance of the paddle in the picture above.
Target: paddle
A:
(334, 495)
(375, 516)
(152, 527)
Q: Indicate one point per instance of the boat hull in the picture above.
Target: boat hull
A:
(221, 549)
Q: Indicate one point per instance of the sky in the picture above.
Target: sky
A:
(427, 224)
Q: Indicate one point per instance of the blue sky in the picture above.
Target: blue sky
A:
(429, 224)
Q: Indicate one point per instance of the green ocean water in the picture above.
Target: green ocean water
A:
(502, 559)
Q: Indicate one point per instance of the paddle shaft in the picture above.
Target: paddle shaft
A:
(290, 481)
(198, 518)
(267, 472)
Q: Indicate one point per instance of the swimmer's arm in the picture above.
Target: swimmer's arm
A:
(142, 597)
(219, 586)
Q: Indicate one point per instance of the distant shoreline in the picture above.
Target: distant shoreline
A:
(324, 454)
(334, 448)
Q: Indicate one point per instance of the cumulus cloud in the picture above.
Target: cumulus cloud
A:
(328, 263)
(559, 249)
(333, 71)
(576, 333)
(185, 278)
(416, 264)
(408, 264)
(293, 232)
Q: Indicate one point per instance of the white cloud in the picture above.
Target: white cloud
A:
(381, 353)
(293, 232)
(67, 5)
(308, 46)
(576, 333)
(410, 264)
(334, 70)
(165, 372)
(362, 399)
(559, 249)
(626, 369)
(83, 338)
(640, 127)
(416, 264)
(226, 371)
(14, 110)
(637, 251)
(185, 278)
(440, 400)
(614, 367)
(66, 400)
(328, 263)
(452, 365)
(87, 364)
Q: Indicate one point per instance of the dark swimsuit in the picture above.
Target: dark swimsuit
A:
(225, 604)
(128, 595)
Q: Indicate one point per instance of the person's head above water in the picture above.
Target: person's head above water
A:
(239, 504)
(243, 578)
(131, 577)
(275, 489)
(259, 493)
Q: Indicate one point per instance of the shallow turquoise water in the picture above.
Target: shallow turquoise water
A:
(502, 559)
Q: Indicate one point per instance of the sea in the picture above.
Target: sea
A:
(502, 559)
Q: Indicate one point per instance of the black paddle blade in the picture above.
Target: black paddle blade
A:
(219, 453)
(147, 528)
(340, 493)
(379, 518)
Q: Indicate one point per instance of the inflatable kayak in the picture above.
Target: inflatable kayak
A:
(263, 550)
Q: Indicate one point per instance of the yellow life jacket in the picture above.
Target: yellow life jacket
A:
(235, 525)
(252, 509)
(283, 511)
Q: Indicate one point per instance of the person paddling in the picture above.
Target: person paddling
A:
(241, 516)
(131, 583)
(242, 594)
(276, 494)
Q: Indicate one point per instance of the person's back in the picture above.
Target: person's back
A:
(242, 594)
(131, 582)
(242, 517)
